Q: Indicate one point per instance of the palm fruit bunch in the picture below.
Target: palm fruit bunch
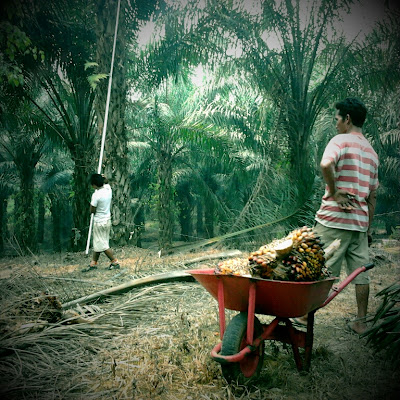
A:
(263, 261)
(233, 266)
(297, 257)
(266, 259)
(307, 259)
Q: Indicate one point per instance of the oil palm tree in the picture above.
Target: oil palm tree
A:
(8, 187)
(297, 72)
(54, 182)
(116, 164)
(23, 142)
(379, 84)
(68, 111)
(258, 162)
(168, 124)
(57, 85)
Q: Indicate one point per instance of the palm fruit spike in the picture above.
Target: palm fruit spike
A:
(234, 266)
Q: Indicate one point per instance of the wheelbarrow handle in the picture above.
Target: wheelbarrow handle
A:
(346, 281)
(369, 266)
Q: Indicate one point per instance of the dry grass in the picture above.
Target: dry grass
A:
(154, 342)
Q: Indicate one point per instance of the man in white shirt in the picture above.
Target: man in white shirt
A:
(100, 205)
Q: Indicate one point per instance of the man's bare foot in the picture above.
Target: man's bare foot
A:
(358, 327)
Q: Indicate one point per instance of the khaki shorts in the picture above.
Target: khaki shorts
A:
(353, 249)
(101, 236)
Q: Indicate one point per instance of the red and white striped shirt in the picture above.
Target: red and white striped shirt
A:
(356, 170)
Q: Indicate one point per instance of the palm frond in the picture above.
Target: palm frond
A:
(384, 335)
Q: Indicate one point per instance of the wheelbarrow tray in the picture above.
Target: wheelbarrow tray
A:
(279, 298)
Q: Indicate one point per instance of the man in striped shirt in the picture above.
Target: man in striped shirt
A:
(350, 170)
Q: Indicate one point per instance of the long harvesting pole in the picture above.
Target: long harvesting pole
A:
(103, 137)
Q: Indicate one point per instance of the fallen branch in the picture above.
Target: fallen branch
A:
(56, 278)
(232, 253)
(175, 276)
(120, 273)
(205, 242)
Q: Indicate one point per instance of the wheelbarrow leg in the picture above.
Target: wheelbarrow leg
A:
(295, 345)
(304, 340)
(309, 340)
(221, 308)
(250, 312)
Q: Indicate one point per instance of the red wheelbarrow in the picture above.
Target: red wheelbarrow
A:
(241, 350)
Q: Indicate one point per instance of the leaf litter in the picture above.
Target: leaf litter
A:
(155, 342)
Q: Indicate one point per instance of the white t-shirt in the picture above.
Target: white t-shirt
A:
(101, 199)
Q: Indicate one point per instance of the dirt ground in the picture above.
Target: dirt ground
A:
(155, 342)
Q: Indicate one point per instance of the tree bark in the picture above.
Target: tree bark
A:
(165, 195)
(56, 226)
(200, 220)
(139, 221)
(3, 222)
(209, 218)
(82, 195)
(25, 221)
(185, 215)
(115, 161)
(66, 221)
(301, 170)
(41, 213)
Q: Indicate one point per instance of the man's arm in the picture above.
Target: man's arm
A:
(371, 202)
(342, 197)
(92, 209)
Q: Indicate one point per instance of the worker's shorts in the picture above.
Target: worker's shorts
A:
(353, 249)
(101, 236)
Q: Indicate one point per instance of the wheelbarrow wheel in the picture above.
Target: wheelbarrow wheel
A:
(235, 340)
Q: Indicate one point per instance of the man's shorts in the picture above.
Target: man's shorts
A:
(353, 249)
(101, 236)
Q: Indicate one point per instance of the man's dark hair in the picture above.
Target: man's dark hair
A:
(97, 179)
(353, 107)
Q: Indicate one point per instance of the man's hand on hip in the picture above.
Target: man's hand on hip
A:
(344, 199)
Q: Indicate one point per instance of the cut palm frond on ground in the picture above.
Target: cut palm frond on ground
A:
(384, 335)
(63, 356)
(154, 342)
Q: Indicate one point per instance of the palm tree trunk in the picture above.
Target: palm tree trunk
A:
(41, 212)
(81, 203)
(116, 166)
(25, 226)
(200, 219)
(139, 221)
(56, 216)
(66, 221)
(165, 197)
(185, 205)
(209, 218)
(185, 219)
(302, 171)
(3, 221)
